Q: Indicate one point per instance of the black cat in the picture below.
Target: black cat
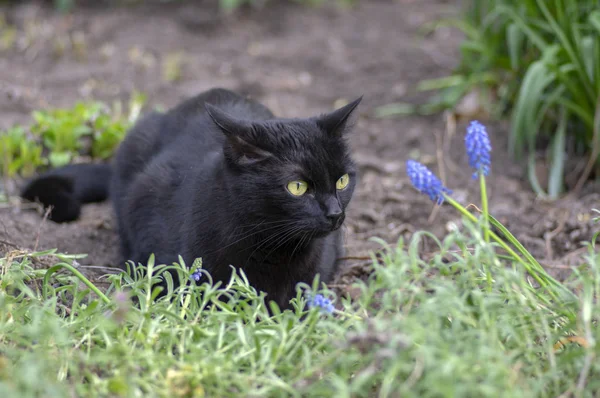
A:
(221, 178)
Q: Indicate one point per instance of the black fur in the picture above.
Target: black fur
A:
(208, 179)
(65, 189)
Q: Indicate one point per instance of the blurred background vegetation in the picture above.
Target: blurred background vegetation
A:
(537, 63)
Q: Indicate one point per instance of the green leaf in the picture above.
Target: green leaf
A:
(396, 109)
(524, 129)
(58, 159)
(533, 178)
(594, 20)
(557, 159)
(444, 82)
(514, 39)
(230, 5)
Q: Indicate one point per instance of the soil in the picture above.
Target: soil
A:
(299, 61)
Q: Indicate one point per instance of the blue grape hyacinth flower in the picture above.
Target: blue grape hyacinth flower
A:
(426, 182)
(477, 143)
(196, 275)
(324, 304)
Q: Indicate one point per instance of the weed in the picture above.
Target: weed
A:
(58, 136)
(18, 154)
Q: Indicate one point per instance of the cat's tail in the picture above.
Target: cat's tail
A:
(66, 189)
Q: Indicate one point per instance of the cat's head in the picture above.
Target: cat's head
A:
(293, 175)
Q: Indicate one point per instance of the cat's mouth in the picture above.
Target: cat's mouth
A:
(337, 223)
(328, 227)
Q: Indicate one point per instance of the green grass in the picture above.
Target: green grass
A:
(421, 326)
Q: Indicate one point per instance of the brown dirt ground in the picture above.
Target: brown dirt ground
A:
(299, 61)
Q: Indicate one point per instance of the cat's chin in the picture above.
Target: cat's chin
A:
(321, 233)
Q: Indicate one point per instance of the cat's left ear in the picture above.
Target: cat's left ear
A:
(242, 146)
(336, 122)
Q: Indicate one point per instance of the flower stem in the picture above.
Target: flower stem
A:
(75, 272)
(538, 274)
(484, 205)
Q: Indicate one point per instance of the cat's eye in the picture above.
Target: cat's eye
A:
(297, 188)
(342, 182)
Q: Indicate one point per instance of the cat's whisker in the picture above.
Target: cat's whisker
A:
(273, 236)
(254, 226)
(250, 235)
(241, 227)
(290, 237)
(283, 240)
(257, 224)
(263, 222)
(279, 231)
(277, 237)
(299, 244)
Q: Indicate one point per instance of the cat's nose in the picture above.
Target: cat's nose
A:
(334, 215)
(334, 212)
(336, 220)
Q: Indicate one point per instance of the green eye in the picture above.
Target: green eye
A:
(297, 188)
(342, 182)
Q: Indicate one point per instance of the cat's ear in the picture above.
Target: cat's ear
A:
(336, 122)
(240, 137)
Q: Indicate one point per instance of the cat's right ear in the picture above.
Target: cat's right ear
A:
(337, 122)
(240, 137)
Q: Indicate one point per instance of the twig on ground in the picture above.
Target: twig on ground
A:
(574, 253)
(353, 258)
(439, 152)
(552, 234)
(7, 243)
(4, 227)
(39, 231)
(557, 266)
(450, 133)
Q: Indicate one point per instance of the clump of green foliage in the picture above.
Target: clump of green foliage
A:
(540, 60)
(57, 136)
(18, 154)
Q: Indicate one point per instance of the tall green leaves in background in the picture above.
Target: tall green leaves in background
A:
(540, 59)
(560, 91)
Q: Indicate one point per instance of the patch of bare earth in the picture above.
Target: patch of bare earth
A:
(299, 61)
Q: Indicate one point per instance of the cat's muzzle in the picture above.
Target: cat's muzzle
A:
(336, 222)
